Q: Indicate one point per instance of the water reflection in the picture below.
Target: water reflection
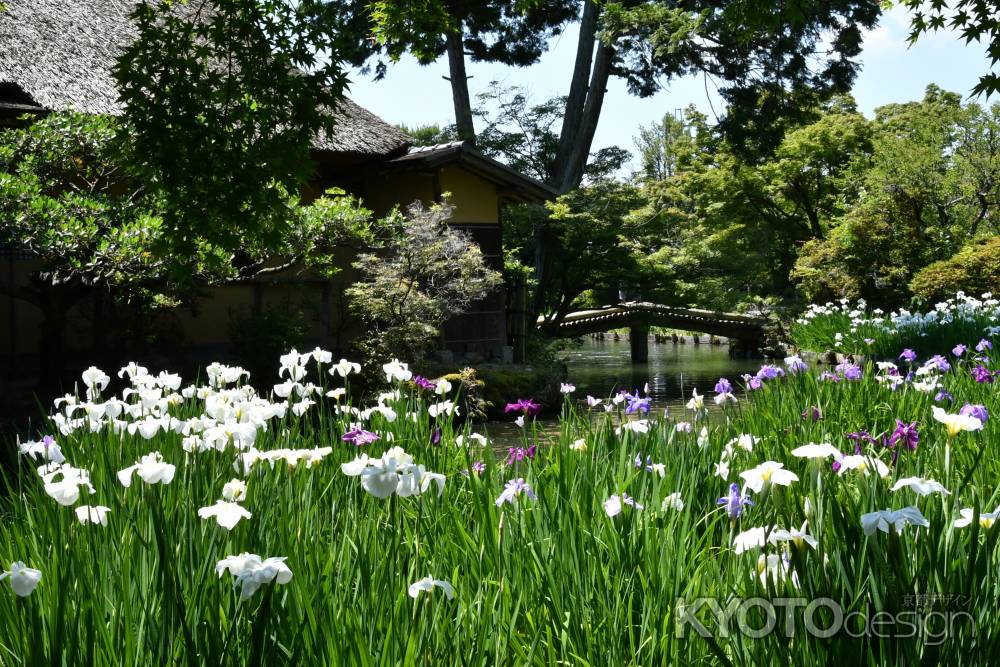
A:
(600, 368)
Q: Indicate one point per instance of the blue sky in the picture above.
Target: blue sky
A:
(892, 72)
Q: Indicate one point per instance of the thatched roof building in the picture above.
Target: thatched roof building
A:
(59, 54)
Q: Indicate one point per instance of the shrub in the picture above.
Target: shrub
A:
(976, 268)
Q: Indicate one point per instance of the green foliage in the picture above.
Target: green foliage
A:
(425, 273)
(550, 579)
(732, 227)
(243, 87)
(258, 339)
(927, 187)
(660, 146)
(498, 31)
(974, 20)
(430, 135)
(65, 198)
(594, 243)
(764, 54)
(974, 269)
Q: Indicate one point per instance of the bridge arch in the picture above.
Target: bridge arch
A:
(746, 331)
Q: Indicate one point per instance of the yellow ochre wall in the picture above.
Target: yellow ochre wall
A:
(474, 197)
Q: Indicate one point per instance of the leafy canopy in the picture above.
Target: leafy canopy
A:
(223, 99)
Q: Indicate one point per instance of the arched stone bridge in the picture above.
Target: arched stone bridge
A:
(743, 331)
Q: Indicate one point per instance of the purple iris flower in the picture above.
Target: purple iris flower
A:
(436, 436)
(858, 437)
(829, 377)
(359, 436)
(723, 386)
(518, 454)
(770, 372)
(640, 464)
(984, 345)
(812, 413)
(423, 383)
(850, 371)
(943, 396)
(629, 500)
(908, 355)
(513, 489)
(478, 467)
(753, 382)
(636, 404)
(796, 365)
(941, 363)
(735, 501)
(959, 350)
(526, 406)
(905, 433)
(982, 375)
(974, 410)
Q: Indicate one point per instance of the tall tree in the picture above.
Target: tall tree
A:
(658, 146)
(929, 187)
(496, 31)
(767, 57)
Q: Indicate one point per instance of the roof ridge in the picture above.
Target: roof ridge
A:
(60, 53)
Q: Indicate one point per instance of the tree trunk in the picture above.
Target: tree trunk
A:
(460, 86)
(583, 108)
(577, 98)
(572, 168)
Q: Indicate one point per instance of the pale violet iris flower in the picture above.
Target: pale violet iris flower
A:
(47, 449)
(896, 519)
(920, 486)
(613, 506)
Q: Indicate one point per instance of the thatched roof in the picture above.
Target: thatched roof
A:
(56, 54)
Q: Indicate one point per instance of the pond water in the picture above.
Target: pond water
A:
(602, 367)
